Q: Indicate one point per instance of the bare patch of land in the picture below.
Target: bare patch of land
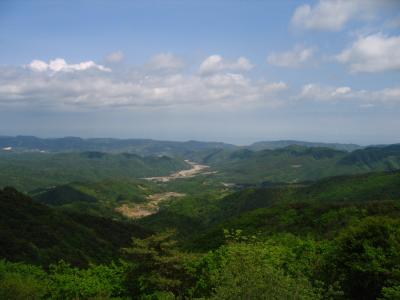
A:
(136, 211)
(193, 171)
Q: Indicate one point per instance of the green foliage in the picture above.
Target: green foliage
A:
(100, 198)
(338, 238)
(367, 258)
(249, 271)
(299, 163)
(28, 171)
(34, 233)
(155, 266)
(20, 282)
(391, 293)
(320, 209)
(100, 282)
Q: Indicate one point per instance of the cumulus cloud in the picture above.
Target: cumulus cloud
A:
(313, 91)
(316, 92)
(296, 57)
(332, 15)
(115, 57)
(373, 53)
(136, 88)
(60, 65)
(341, 91)
(216, 63)
(275, 86)
(165, 61)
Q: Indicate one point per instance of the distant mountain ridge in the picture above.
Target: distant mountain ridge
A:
(299, 163)
(143, 147)
(272, 145)
(146, 146)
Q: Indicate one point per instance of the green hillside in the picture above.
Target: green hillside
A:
(32, 232)
(28, 171)
(337, 238)
(193, 216)
(321, 208)
(298, 163)
(99, 198)
(286, 227)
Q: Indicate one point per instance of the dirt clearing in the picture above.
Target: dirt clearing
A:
(135, 211)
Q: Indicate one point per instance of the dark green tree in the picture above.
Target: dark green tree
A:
(155, 266)
(368, 258)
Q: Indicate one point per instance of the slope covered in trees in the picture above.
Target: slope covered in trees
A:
(298, 163)
(32, 232)
(28, 171)
(277, 243)
(334, 238)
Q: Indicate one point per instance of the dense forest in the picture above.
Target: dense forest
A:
(336, 237)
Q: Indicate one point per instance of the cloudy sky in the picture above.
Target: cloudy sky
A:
(234, 71)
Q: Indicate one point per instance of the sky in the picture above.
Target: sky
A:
(213, 70)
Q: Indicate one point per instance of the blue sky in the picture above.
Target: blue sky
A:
(234, 71)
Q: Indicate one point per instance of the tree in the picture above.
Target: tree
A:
(155, 266)
(249, 271)
(368, 257)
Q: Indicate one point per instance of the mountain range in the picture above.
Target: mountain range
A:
(144, 146)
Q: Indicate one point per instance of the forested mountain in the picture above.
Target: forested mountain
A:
(146, 146)
(271, 145)
(318, 223)
(28, 171)
(34, 233)
(100, 198)
(298, 163)
(316, 241)
(138, 146)
(321, 209)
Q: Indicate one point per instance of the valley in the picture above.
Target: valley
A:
(291, 211)
(193, 171)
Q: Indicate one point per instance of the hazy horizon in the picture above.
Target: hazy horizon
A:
(196, 140)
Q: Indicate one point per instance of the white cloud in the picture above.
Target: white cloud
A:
(60, 65)
(275, 86)
(165, 61)
(115, 57)
(373, 53)
(296, 57)
(135, 88)
(341, 91)
(38, 65)
(316, 92)
(391, 94)
(332, 15)
(216, 63)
